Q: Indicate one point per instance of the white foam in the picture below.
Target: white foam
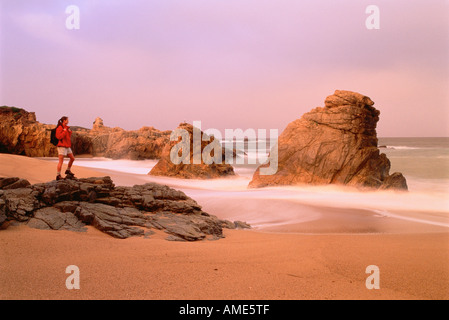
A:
(422, 198)
(403, 148)
(402, 217)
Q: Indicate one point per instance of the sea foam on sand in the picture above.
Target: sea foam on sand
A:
(266, 208)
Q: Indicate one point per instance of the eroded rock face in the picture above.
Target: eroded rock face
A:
(117, 143)
(121, 212)
(21, 134)
(335, 144)
(192, 170)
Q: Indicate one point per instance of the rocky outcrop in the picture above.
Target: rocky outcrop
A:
(334, 144)
(121, 212)
(21, 134)
(187, 168)
(117, 143)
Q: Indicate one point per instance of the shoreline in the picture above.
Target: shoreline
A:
(292, 215)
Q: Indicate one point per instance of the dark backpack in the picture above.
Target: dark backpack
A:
(54, 141)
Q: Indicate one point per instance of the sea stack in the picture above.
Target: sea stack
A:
(334, 144)
(193, 165)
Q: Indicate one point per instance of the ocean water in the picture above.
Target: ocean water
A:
(423, 161)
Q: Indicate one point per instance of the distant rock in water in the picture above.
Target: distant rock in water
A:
(121, 212)
(22, 134)
(188, 169)
(334, 144)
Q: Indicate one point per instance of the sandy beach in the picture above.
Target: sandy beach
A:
(36, 170)
(324, 258)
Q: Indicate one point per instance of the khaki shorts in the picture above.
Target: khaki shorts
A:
(62, 151)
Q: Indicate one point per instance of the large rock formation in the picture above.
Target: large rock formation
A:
(188, 169)
(121, 212)
(334, 144)
(117, 143)
(21, 134)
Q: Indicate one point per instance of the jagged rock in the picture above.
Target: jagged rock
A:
(116, 143)
(98, 124)
(4, 182)
(52, 218)
(19, 204)
(19, 183)
(192, 170)
(21, 134)
(241, 225)
(335, 144)
(395, 181)
(121, 212)
(117, 222)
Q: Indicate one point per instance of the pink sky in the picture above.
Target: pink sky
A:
(230, 64)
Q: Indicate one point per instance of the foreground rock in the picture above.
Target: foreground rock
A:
(335, 144)
(22, 134)
(192, 170)
(121, 212)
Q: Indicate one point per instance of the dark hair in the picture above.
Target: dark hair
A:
(60, 121)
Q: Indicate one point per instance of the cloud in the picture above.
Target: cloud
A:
(42, 26)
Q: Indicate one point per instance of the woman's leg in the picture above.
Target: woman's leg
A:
(61, 160)
(72, 158)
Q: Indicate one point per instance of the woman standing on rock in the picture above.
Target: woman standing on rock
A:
(64, 134)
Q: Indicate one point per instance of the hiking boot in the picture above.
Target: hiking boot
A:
(69, 173)
(58, 177)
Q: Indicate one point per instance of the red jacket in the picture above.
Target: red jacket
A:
(64, 136)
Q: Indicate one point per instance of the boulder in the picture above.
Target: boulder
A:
(334, 144)
(188, 168)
